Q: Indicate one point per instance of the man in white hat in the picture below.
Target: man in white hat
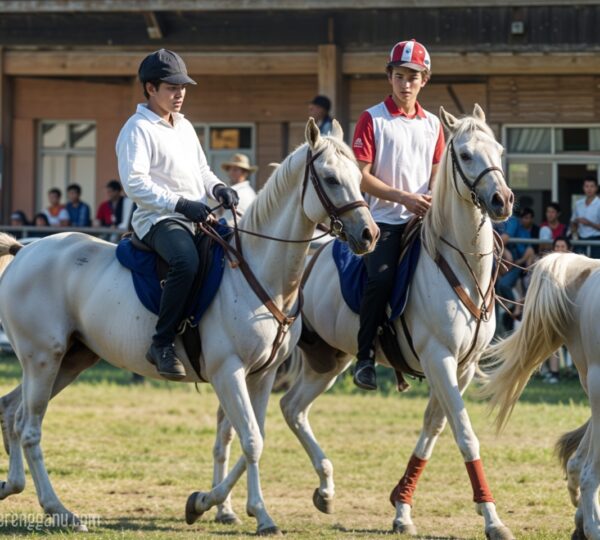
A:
(238, 170)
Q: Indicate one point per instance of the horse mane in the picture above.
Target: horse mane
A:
(282, 179)
(434, 222)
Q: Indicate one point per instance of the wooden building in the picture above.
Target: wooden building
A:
(68, 80)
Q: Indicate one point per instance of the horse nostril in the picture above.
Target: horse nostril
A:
(497, 201)
(511, 198)
(366, 235)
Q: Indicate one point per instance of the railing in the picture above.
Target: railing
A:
(575, 243)
(33, 231)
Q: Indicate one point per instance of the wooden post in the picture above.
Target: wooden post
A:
(5, 147)
(330, 79)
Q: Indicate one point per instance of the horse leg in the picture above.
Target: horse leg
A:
(434, 422)
(590, 472)
(221, 450)
(296, 404)
(77, 359)
(9, 409)
(229, 383)
(441, 372)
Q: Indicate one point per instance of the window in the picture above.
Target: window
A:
(547, 163)
(67, 155)
(221, 141)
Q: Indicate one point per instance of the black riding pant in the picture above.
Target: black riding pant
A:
(175, 244)
(381, 268)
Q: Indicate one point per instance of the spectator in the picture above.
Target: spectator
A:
(56, 213)
(556, 227)
(115, 212)
(522, 254)
(546, 237)
(319, 109)
(552, 376)
(585, 221)
(79, 212)
(238, 170)
(40, 220)
(561, 245)
(18, 219)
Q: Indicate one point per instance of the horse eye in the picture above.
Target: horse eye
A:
(332, 181)
(465, 157)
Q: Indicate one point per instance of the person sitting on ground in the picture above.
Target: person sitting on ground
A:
(55, 212)
(238, 170)
(79, 212)
(319, 109)
(165, 172)
(18, 219)
(40, 220)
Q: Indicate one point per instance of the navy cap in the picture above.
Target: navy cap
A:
(164, 65)
(322, 101)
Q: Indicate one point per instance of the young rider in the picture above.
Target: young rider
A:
(398, 145)
(164, 171)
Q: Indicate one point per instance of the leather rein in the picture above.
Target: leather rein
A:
(236, 257)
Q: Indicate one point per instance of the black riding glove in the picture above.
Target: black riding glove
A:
(193, 210)
(227, 196)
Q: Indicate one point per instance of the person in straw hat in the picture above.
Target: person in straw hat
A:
(238, 170)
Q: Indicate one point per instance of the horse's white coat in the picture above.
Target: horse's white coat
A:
(68, 289)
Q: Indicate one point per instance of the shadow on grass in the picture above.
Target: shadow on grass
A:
(369, 533)
(101, 373)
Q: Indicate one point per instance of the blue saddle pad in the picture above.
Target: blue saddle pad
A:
(353, 276)
(147, 285)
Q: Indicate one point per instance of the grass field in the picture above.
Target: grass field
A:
(127, 456)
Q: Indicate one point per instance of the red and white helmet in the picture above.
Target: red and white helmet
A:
(410, 54)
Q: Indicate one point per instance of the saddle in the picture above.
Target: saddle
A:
(188, 327)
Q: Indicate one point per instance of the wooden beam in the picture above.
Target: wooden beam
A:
(483, 63)
(70, 6)
(108, 63)
(153, 25)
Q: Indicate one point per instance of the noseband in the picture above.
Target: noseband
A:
(334, 212)
(471, 185)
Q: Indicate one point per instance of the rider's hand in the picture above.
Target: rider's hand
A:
(227, 196)
(417, 203)
(193, 210)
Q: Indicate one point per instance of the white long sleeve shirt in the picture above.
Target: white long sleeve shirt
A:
(158, 164)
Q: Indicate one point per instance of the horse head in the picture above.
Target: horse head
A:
(331, 189)
(476, 160)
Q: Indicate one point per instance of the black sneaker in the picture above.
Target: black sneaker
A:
(167, 364)
(364, 375)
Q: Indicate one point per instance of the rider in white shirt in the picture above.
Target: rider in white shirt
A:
(164, 171)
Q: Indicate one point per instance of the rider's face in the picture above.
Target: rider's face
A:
(166, 99)
(406, 85)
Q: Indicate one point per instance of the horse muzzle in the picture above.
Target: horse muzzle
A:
(500, 204)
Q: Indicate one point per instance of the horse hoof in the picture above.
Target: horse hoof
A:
(228, 519)
(269, 531)
(499, 533)
(191, 516)
(321, 503)
(406, 529)
(578, 534)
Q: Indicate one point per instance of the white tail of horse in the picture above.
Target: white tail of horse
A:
(9, 245)
(547, 313)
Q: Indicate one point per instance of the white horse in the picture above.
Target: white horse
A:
(470, 186)
(65, 301)
(562, 306)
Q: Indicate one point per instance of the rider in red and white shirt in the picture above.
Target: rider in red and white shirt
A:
(398, 145)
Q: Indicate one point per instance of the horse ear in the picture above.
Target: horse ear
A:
(336, 130)
(478, 112)
(447, 119)
(312, 133)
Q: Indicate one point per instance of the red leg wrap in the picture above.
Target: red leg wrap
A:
(481, 490)
(403, 492)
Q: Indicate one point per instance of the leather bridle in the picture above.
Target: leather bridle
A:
(334, 212)
(471, 185)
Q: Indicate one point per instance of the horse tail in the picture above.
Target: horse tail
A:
(9, 247)
(547, 313)
(568, 443)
